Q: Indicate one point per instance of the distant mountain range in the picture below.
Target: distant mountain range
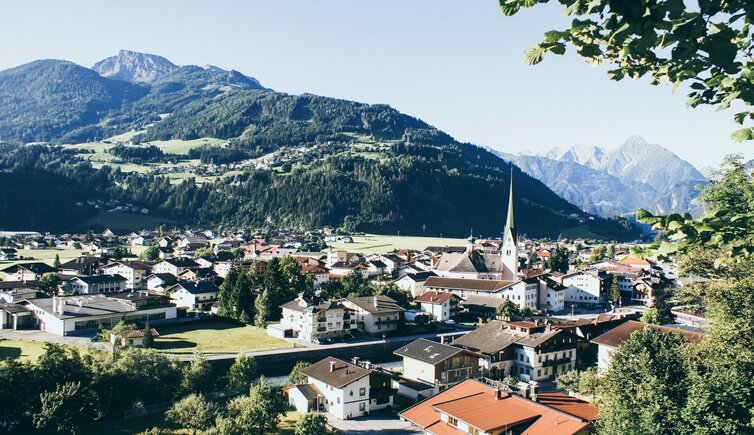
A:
(609, 182)
(347, 164)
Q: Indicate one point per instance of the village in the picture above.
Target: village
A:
(468, 338)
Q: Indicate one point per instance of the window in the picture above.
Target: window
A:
(338, 399)
(452, 421)
(362, 406)
(362, 391)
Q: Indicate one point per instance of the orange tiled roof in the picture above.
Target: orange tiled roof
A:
(477, 403)
(435, 298)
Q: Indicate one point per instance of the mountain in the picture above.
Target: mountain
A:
(609, 182)
(331, 162)
(132, 66)
(46, 99)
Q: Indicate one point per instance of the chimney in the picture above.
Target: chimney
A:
(332, 366)
(500, 394)
(54, 304)
(376, 300)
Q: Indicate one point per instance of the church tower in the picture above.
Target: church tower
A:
(509, 249)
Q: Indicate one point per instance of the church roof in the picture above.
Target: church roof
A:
(473, 262)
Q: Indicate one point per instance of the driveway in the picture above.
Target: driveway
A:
(382, 424)
(37, 335)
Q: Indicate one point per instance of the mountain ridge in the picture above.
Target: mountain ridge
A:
(362, 167)
(607, 182)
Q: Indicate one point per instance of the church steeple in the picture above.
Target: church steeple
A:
(509, 248)
(509, 223)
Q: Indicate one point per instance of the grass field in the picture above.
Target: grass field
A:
(371, 243)
(45, 255)
(21, 349)
(177, 146)
(214, 338)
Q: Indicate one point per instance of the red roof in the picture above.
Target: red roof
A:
(479, 405)
(313, 268)
(434, 298)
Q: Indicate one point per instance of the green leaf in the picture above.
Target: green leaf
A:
(743, 134)
(534, 55)
(509, 7)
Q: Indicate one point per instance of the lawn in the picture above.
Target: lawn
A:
(214, 337)
(45, 255)
(371, 243)
(177, 146)
(21, 349)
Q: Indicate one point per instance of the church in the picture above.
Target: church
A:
(475, 264)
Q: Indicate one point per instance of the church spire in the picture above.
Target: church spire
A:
(509, 224)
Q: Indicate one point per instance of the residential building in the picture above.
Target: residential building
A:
(312, 319)
(375, 315)
(8, 254)
(342, 389)
(441, 306)
(193, 295)
(174, 266)
(320, 275)
(82, 266)
(585, 288)
(33, 271)
(95, 284)
(437, 364)
(413, 282)
(135, 272)
(160, 281)
(530, 350)
(482, 407)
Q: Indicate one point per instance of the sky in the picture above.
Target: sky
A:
(455, 64)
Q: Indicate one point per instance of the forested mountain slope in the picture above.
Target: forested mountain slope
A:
(363, 167)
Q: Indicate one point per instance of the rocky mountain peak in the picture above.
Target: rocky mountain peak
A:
(133, 66)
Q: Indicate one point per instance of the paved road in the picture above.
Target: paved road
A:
(382, 424)
(36, 335)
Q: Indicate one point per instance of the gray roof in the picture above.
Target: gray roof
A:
(310, 391)
(92, 305)
(428, 351)
(383, 304)
(473, 262)
(196, 288)
(338, 374)
(482, 285)
(37, 267)
(311, 304)
(489, 339)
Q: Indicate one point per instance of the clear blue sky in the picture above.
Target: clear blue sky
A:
(455, 64)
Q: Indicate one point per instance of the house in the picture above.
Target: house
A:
(142, 240)
(342, 389)
(375, 315)
(437, 364)
(15, 291)
(98, 248)
(164, 252)
(72, 315)
(312, 319)
(530, 350)
(480, 407)
(133, 338)
(585, 288)
(440, 306)
(193, 295)
(135, 272)
(610, 340)
(200, 274)
(88, 285)
(84, 265)
(319, 274)
(174, 266)
(8, 254)
(524, 293)
(165, 242)
(27, 271)
(192, 243)
(160, 281)
(413, 282)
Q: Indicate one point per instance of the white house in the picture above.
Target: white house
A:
(87, 285)
(375, 315)
(174, 266)
(341, 389)
(440, 306)
(413, 282)
(135, 272)
(193, 295)
(584, 288)
(312, 319)
(27, 271)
